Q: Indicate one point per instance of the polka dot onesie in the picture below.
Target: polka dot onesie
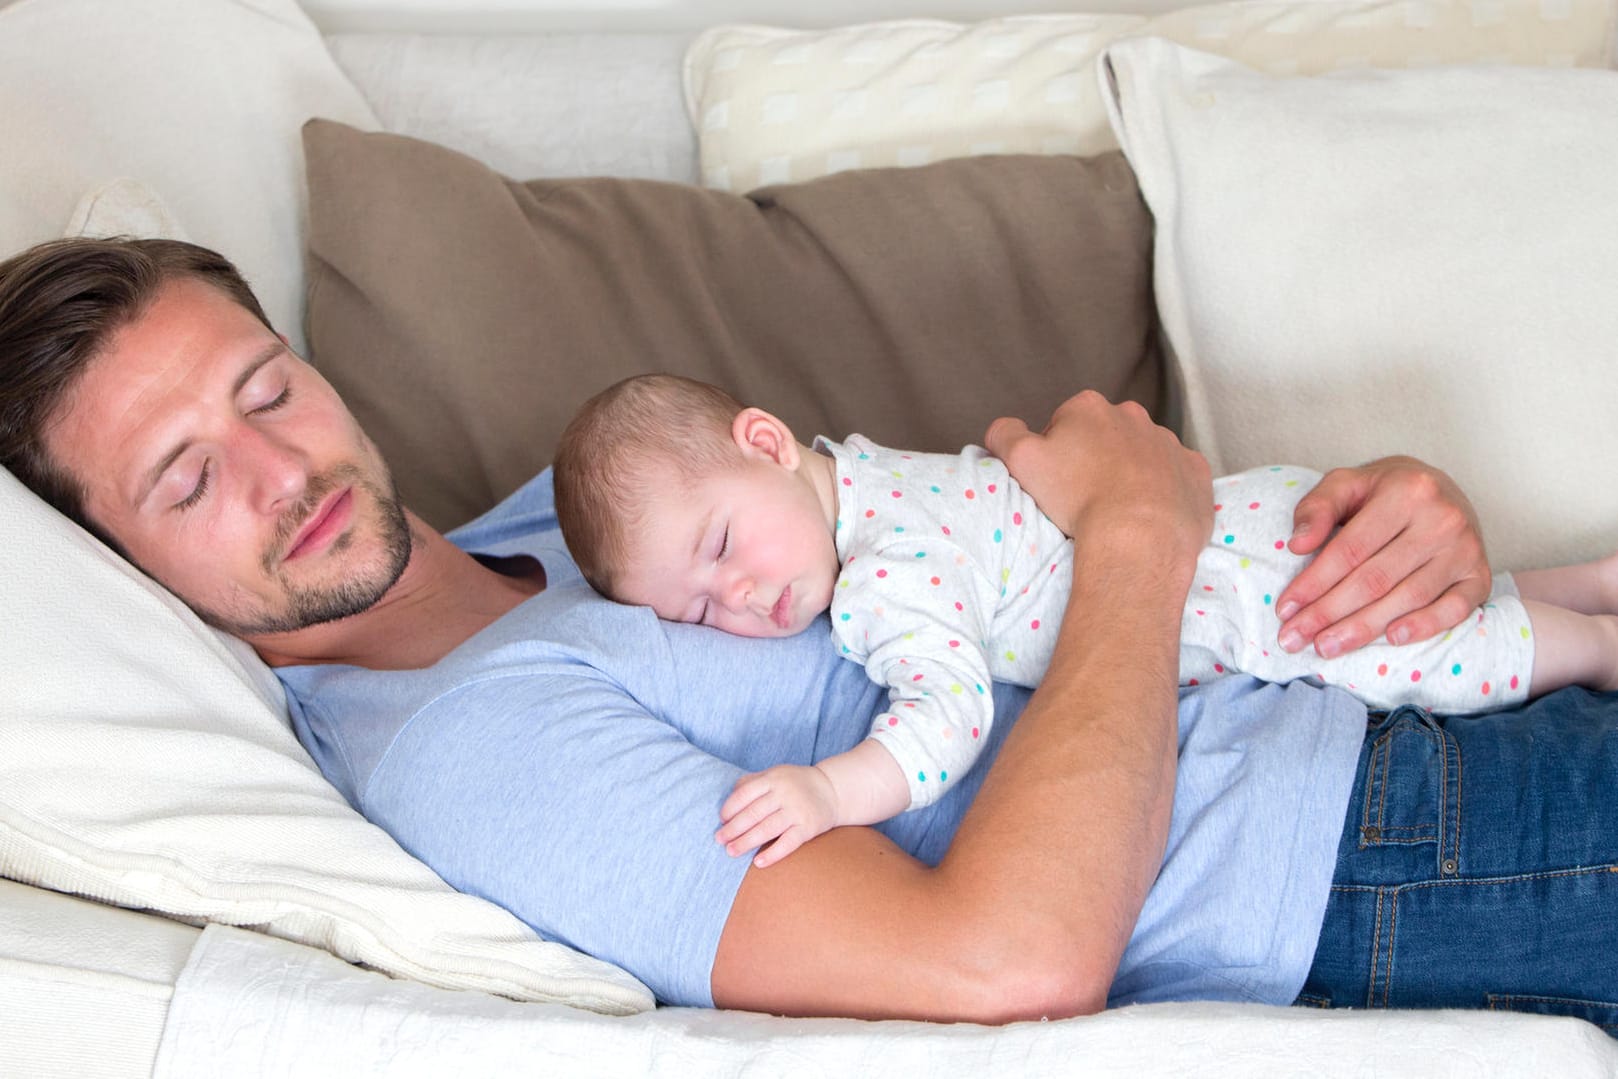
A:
(952, 578)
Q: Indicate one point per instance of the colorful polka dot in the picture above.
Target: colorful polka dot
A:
(934, 580)
(1381, 668)
(1230, 539)
(1280, 544)
(846, 616)
(943, 777)
(971, 493)
(997, 535)
(870, 513)
(934, 489)
(1455, 669)
(893, 721)
(1034, 624)
(1011, 657)
(1415, 676)
(1252, 505)
(946, 529)
(1513, 681)
(991, 488)
(898, 494)
(974, 732)
(1485, 689)
(955, 644)
(881, 573)
(847, 482)
(1266, 599)
(1016, 518)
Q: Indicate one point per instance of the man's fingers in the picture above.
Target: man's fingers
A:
(1441, 614)
(1337, 497)
(1328, 577)
(1002, 434)
(1417, 603)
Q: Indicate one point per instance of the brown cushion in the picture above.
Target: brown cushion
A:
(464, 316)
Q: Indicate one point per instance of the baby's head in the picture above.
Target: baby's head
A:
(673, 495)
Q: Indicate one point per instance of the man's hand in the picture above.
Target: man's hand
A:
(1098, 461)
(1407, 558)
(785, 806)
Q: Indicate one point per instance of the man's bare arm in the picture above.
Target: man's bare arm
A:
(1031, 909)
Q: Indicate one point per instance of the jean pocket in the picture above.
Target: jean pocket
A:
(1600, 1012)
(1412, 787)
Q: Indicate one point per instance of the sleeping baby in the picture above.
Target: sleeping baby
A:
(941, 575)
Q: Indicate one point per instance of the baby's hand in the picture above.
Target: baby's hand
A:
(789, 804)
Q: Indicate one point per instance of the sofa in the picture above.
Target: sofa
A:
(1316, 231)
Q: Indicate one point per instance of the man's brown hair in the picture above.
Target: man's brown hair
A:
(60, 304)
(631, 440)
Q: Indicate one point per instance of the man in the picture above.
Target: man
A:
(566, 757)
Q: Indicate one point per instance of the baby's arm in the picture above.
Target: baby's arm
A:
(790, 804)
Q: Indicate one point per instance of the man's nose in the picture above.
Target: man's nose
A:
(278, 473)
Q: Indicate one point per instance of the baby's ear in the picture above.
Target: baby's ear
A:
(760, 434)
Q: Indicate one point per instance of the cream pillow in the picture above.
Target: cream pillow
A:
(149, 763)
(772, 106)
(199, 100)
(1377, 262)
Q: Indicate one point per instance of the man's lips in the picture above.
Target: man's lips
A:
(781, 613)
(323, 526)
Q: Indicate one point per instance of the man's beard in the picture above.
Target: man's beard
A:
(310, 605)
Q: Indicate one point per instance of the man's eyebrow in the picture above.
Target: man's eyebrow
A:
(268, 353)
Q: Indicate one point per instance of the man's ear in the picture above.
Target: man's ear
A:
(758, 434)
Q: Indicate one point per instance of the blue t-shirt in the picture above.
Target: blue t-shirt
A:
(568, 762)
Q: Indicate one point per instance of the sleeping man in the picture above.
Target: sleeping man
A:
(565, 757)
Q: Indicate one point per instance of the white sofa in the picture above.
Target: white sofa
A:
(536, 89)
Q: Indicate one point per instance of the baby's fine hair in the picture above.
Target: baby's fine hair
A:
(627, 442)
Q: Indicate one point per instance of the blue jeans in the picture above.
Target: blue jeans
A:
(1478, 866)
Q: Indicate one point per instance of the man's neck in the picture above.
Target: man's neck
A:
(443, 597)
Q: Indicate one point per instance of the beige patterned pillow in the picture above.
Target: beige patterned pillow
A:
(774, 106)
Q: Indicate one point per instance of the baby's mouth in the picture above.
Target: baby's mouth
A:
(781, 613)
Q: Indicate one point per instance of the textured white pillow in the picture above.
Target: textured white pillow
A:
(773, 105)
(199, 100)
(1375, 262)
(149, 763)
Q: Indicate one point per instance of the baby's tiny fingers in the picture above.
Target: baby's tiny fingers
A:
(758, 835)
(789, 841)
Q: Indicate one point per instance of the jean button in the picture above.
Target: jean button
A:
(1450, 866)
(1371, 833)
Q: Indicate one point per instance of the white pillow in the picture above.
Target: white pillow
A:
(200, 100)
(149, 763)
(1371, 262)
(772, 105)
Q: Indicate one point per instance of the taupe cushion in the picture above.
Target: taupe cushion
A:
(464, 316)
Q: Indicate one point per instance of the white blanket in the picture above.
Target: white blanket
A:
(248, 1004)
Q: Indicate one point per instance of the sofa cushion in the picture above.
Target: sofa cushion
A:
(1393, 262)
(197, 100)
(464, 315)
(775, 105)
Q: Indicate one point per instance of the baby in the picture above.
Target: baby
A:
(941, 575)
